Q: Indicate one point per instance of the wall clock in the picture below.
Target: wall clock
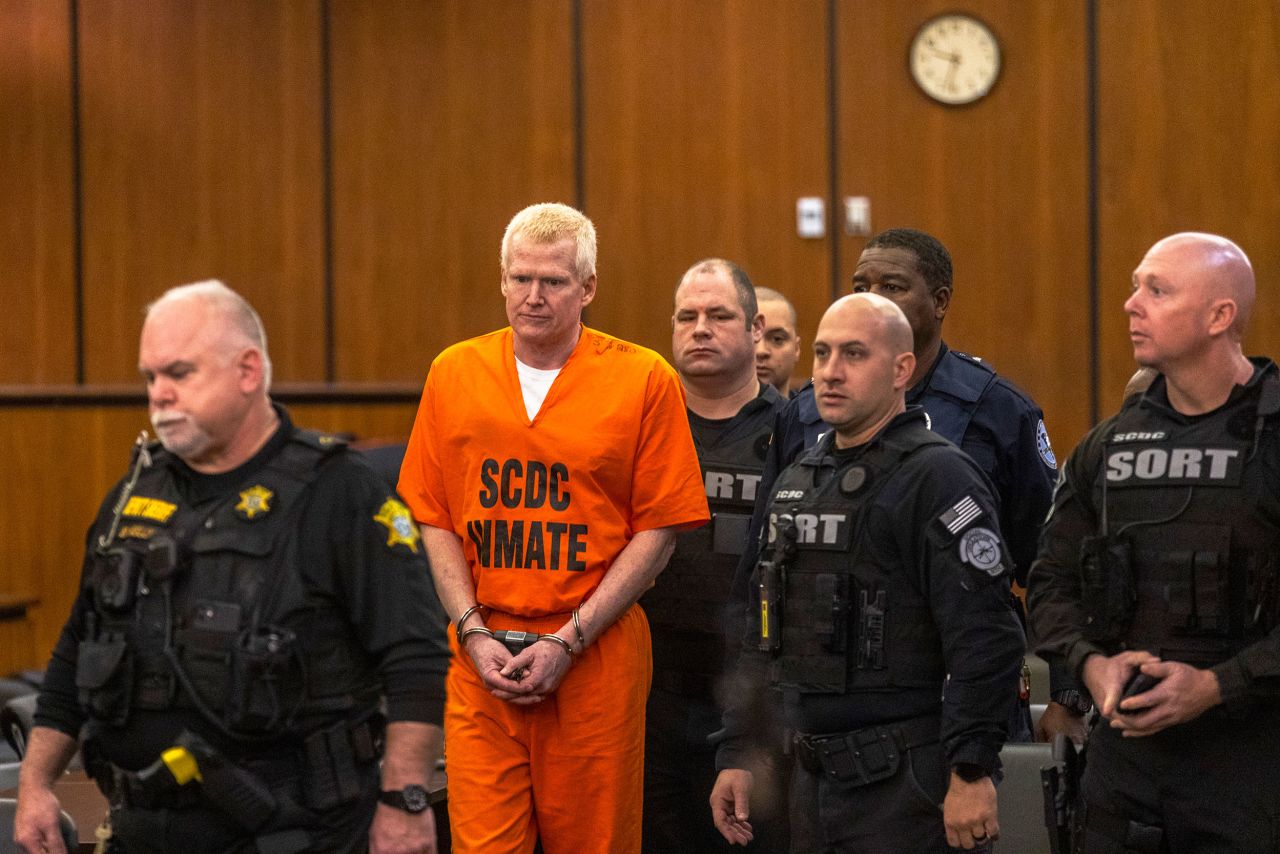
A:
(955, 59)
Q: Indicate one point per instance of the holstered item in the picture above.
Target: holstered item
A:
(332, 758)
(1060, 783)
(104, 678)
(770, 598)
(864, 756)
(1108, 588)
(871, 613)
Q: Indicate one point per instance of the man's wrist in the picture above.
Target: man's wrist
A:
(1072, 700)
(969, 772)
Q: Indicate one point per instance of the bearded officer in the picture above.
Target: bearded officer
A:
(1159, 562)
(251, 592)
(714, 330)
(886, 570)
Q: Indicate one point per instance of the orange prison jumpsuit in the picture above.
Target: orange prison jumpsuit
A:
(543, 507)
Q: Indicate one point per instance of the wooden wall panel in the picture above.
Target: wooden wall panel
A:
(202, 158)
(448, 117)
(59, 464)
(1002, 183)
(37, 193)
(1190, 141)
(704, 123)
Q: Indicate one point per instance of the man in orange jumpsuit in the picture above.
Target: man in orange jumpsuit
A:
(551, 466)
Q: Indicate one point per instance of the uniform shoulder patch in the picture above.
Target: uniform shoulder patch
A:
(980, 548)
(398, 521)
(1043, 446)
(962, 514)
(320, 441)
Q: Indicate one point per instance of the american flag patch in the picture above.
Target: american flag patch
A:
(965, 511)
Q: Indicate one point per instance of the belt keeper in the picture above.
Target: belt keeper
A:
(568, 648)
(457, 627)
(577, 627)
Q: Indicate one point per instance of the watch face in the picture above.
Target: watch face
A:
(415, 798)
(955, 59)
(412, 798)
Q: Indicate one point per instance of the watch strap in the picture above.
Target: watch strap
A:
(412, 798)
(1073, 700)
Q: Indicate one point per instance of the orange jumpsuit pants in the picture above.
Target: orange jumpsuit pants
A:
(568, 770)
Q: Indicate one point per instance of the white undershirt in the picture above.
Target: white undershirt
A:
(534, 385)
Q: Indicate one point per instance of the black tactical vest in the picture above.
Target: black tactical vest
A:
(849, 624)
(1185, 565)
(691, 593)
(194, 607)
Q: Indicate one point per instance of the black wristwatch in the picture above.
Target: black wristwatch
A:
(970, 772)
(412, 798)
(1073, 700)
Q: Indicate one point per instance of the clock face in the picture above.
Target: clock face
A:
(955, 59)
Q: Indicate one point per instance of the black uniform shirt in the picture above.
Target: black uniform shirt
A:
(1054, 594)
(988, 417)
(381, 590)
(982, 639)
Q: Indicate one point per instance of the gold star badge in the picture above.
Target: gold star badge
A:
(399, 523)
(254, 501)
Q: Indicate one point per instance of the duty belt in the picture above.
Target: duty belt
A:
(128, 789)
(867, 755)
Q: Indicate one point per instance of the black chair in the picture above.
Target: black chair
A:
(10, 688)
(9, 808)
(15, 721)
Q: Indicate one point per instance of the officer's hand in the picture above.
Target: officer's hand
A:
(969, 812)
(395, 831)
(730, 805)
(1105, 677)
(35, 825)
(1058, 719)
(1184, 693)
(543, 666)
(491, 658)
